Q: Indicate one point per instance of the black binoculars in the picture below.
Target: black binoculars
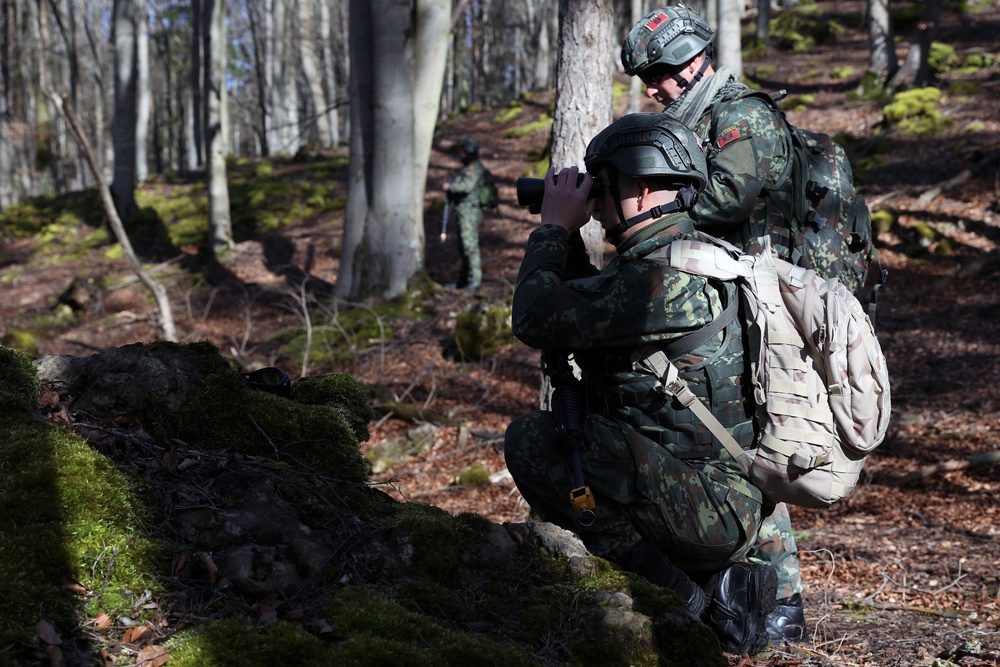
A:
(530, 191)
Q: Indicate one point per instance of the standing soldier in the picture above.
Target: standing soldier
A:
(463, 191)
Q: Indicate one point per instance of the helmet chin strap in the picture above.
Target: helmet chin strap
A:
(683, 202)
(688, 85)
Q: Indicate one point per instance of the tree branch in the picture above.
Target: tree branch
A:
(158, 290)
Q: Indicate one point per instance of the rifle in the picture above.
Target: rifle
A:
(567, 408)
(444, 218)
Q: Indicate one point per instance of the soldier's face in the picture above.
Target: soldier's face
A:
(661, 85)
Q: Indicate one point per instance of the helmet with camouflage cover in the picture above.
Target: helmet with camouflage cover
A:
(665, 37)
(649, 144)
(469, 145)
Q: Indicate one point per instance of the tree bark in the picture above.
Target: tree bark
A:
(144, 97)
(220, 228)
(882, 54)
(310, 70)
(727, 39)
(124, 124)
(583, 91)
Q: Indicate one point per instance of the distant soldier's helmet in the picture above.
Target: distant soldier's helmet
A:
(469, 145)
(665, 37)
(649, 144)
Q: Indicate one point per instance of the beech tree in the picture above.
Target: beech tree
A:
(383, 225)
(220, 228)
(583, 90)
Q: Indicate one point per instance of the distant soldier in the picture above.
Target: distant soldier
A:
(463, 190)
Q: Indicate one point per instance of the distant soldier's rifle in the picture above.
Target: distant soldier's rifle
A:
(444, 217)
(567, 408)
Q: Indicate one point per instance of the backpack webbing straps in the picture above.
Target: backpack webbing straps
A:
(692, 341)
(671, 384)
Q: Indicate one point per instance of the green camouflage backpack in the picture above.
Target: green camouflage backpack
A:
(489, 196)
(829, 223)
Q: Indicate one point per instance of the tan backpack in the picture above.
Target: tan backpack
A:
(820, 381)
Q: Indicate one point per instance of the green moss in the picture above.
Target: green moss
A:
(20, 390)
(544, 123)
(67, 515)
(942, 57)
(883, 220)
(473, 476)
(506, 115)
(227, 643)
(484, 331)
(916, 112)
(964, 88)
(843, 72)
(340, 392)
(797, 102)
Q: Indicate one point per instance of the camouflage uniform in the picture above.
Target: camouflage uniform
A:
(655, 471)
(464, 191)
(749, 151)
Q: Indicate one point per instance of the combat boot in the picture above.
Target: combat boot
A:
(645, 559)
(787, 622)
(742, 596)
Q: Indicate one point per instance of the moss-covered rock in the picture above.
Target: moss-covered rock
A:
(484, 330)
(258, 520)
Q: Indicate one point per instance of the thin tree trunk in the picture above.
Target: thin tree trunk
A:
(159, 291)
(143, 94)
(310, 69)
(123, 131)
(882, 55)
(220, 226)
(583, 92)
(329, 66)
(196, 116)
(727, 41)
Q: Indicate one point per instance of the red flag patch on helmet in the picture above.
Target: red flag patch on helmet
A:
(654, 23)
(728, 135)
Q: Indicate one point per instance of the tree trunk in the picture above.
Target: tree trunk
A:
(388, 249)
(636, 88)
(124, 124)
(361, 96)
(310, 69)
(220, 229)
(762, 32)
(196, 104)
(882, 55)
(727, 40)
(432, 30)
(144, 96)
(583, 91)
(329, 66)
(915, 70)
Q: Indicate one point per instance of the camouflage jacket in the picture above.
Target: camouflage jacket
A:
(562, 302)
(464, 187)
(749, 157)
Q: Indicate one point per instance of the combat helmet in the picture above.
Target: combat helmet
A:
(469, 145)
(649, 145)
(665, 37)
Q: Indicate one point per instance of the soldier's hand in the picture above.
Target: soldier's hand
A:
(565, 204)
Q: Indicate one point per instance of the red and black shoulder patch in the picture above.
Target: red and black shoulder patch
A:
(729, 135)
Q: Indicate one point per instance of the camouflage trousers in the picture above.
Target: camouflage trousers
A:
(469, 219)
(641, 491)
(775, 546)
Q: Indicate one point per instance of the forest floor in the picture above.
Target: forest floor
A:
(905, 572)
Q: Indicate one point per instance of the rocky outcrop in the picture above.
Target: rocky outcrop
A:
(256, 509)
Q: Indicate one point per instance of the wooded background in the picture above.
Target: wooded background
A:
(161, 86)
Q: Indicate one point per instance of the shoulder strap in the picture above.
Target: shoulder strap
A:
(671, 384)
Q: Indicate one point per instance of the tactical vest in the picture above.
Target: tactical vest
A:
(617, 392)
